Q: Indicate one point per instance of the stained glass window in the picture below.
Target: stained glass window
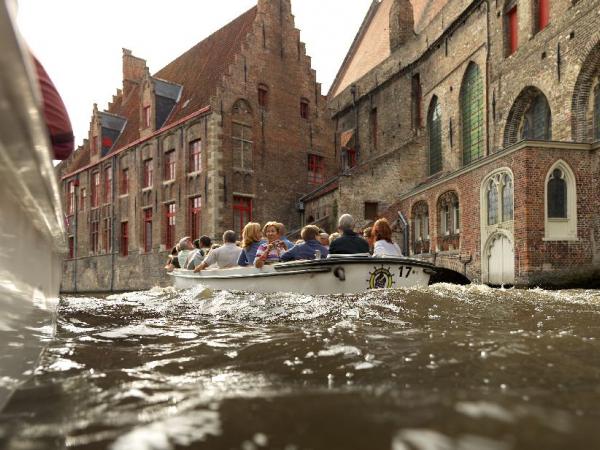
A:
(507, 198)
(472, 113)
(434, 125)
(492, 203)
(537, 121)
(557, 195)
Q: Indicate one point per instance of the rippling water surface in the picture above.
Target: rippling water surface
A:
(441, 368)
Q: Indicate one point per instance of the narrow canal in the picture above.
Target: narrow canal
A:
(442, 368)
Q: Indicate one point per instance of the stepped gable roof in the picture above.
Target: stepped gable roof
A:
(371, 46)
(201, 69)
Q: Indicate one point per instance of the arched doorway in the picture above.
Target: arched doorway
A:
(500, 260)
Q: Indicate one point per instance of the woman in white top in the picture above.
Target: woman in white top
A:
(383, 240)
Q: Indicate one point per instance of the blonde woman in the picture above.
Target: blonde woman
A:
(270, 251)
(251, 240)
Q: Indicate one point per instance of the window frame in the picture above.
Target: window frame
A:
(304, 108)
(107, 191)
(195, 156)
(243, 206)
(147, 230)
(148, 174)
(124, 245)
(124, 182)
(316, 169)
(170, 165)
(195, 216)
(95, 187)
(170, 224)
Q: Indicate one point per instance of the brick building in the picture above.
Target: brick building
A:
(234, 129)
(477, 123)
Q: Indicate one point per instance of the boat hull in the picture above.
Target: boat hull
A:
(322, 277)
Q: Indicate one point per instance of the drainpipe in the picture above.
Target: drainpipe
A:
(487, 79)
(112, 218)
(75, 232)
(406, 232)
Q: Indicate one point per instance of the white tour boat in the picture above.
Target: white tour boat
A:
(344, 274)
(31, 220)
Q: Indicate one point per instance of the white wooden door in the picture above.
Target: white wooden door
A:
(501, 261)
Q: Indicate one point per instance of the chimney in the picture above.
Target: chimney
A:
(401, 23)
(133, 71)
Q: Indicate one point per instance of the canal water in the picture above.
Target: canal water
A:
(442, 368)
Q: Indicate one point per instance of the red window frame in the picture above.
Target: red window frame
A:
(148, 174)
(304, 113)
(82, 195)
(107, 197)
(195, 148)
(195, 217)
(512, 20)
(124, 238)
(316, 169)
(170, 222)
(95, 189)
(107, 234)
(94, 236)
(170, 161)
(242, 213)
(70, 198)
(147, 230)
(124, 182)
(543, 14)
(147, 116)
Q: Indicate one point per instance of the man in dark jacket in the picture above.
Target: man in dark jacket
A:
(349, 242)
(310, 247)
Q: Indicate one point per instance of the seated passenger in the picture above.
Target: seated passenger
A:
(349, 243)
(382, 233)
(324, 239)
(251, 240)
(172, 261)
(289, 244)
(369, 237)
(225, 256)
(185, 248)
(197, 256)
(309, 248)
(270, 251)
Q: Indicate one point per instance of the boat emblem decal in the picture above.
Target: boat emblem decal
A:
(381, 278)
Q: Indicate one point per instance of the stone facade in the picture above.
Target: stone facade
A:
(516, 95)
(247, 101)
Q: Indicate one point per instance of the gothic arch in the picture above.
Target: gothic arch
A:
(530, 98)
(434, 131)
(581, 123)
(472, 113)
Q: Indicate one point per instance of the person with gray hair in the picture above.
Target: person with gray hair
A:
(349, 243)
(226, 256)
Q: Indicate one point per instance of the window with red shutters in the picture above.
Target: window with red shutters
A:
(304, 113)
(242, 213)
(147, 230)
(107, 234)
(195, 156)
(124, 238)
(94, 236)
(147, 116)
(95, 189)
(512, 23)
(543, 14)
(195, 217)
(169, 165)
(148, 181)
(107, 185)
(316, 169)
(70, 198)
(170, 215)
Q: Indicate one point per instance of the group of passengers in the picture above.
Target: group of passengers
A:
(267, 245)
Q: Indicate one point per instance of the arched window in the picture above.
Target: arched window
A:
(560, 203)
(537, 121)
(420, 216)
(472, 115)
(557, 195)
(597, 113)
(241, 135)
(507, 198)
(448, 219)
(492, 203)
(434, 127)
